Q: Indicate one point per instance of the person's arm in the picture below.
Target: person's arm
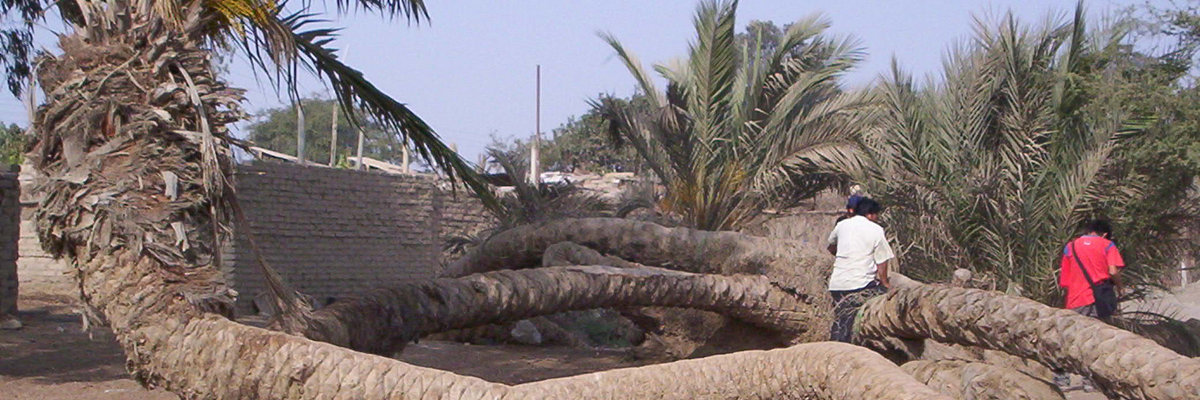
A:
(1063, 264)
(883, 253)
(1115, 263)
(881, 274)
(833, 236)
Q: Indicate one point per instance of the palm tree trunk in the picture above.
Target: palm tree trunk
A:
(672, 333)
(384, 320)
(974, 380)
(814, 370)
(784, 263)
(1123, 364)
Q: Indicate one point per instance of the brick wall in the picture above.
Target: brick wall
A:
(333, 233)
(330, 232)
(10, 211)
(38, 271)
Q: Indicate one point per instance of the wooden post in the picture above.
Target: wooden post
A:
(534, 169)
(31, 103)
(404, 158)
(1183, 274)
(300, 131)
(360, 146)
(333, 137)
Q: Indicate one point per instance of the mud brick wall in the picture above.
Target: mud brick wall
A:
(39, 272)
(334, 233)
(10, 211)
(460, 215)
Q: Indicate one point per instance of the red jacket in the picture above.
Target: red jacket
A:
(1097, 254)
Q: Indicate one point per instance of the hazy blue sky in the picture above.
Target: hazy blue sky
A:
(469, 71)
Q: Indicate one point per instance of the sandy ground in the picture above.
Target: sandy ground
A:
(51, 358)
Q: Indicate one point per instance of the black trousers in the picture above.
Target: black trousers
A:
(845, 308)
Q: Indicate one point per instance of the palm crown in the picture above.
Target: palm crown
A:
(281, 44)
(740, 127)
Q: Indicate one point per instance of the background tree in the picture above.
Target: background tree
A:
(1025, 135)
(742, 128)
(12, 144)
(581, 144)
(275, 129)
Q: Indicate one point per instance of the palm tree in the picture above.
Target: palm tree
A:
(740, 128)
(388, 318)
(993, 167)
(1124, 364)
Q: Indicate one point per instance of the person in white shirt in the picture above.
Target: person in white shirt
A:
(860, 267)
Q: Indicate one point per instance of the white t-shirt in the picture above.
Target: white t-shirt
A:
(861, 245)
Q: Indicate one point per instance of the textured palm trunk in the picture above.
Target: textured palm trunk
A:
(826, 370)
(1123, 364)
(980, 381)
(382, 321)
(783, 263)
(672, 333)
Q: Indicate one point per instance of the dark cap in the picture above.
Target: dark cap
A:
(852, 201)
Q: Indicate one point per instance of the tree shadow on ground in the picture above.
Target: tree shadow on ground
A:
(52, 348)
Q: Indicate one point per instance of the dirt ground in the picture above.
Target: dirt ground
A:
(51, 358)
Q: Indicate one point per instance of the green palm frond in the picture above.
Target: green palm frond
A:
(354, 92)
(645, 82)
(996, 163)
(740, 128)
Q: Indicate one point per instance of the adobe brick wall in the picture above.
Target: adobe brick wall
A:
(333, 233)
(38, 271)
(330, 232)
(10, 211)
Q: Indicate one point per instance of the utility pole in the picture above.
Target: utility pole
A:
(300, 131)
(404, 157)
(360, 145)
(534, 169)
(31, 103)
(333, 136)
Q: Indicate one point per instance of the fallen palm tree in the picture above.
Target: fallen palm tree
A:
(383, 321)
(784, 264)
(1018, 326)
(975, 380)
(1121, 363)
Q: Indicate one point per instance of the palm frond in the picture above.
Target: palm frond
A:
(413, 10)
(645, 83)
(354, 92)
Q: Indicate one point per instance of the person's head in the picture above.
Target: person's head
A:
(852, 202)
(868, 208)
(1099, 227)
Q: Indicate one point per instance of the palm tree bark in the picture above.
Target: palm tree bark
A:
(1122, 364)
(784, 263)
(975, 380)
(381, 322)
(826, 370)
(672, 333)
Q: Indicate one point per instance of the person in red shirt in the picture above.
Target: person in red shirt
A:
(1099, 255)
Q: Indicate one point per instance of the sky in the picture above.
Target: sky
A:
(470, 70)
